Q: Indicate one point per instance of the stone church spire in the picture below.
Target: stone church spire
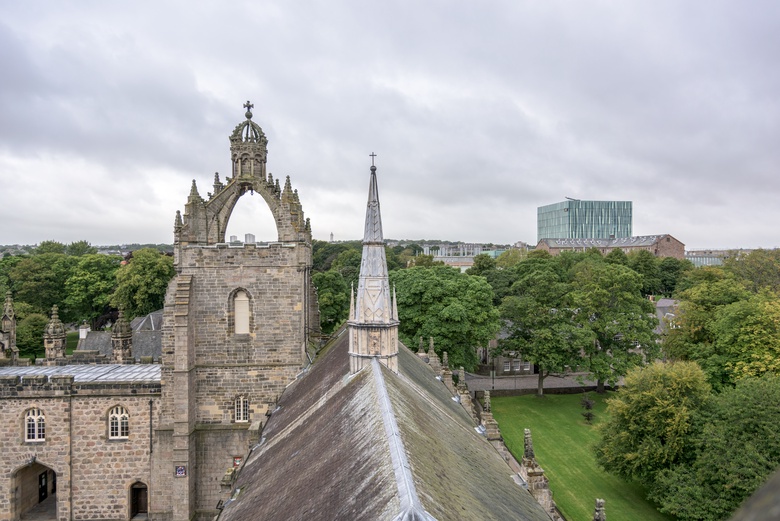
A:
(373, 320)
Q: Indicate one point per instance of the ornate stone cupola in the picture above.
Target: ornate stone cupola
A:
(205, 220)
(8, 347)
(54, 337)
(122, 340)
(373, 321)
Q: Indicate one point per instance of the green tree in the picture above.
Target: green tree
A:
(645, 263)
(347, 264)
(509, 258)
(747, 336)
(7, 263)
(482, 264)
(539, 324)
(452, 307)
(650, 419)
(39, 280)
(693, 336)
(324, 253)
(49, 247)
(79, 248)
(29, 335)
(617, 256)
(759, 269)
(735, 449)
(609, 303)
(89, 288)
(670, 271)
(142, 282)
(333, 298)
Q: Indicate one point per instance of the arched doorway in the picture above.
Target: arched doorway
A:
(139, 500)
(35, 492)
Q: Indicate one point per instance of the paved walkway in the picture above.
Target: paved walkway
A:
(46, 510)
(478, 382)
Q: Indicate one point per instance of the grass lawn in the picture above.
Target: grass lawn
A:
(563, 444)
(71, 341)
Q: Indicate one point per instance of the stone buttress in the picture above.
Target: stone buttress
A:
(236, 326)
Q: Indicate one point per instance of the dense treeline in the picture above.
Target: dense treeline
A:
(85, 285)
(702, 430)
(577, 309)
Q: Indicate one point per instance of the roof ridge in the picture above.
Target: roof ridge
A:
(411, 508)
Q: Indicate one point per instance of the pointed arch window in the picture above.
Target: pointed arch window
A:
(118, 423)
(242, 409)
(35, 425)
(241, 309)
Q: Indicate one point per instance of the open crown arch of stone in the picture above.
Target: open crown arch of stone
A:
(206, 220)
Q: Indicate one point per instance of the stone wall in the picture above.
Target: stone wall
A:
(207, 366)
(93, 474)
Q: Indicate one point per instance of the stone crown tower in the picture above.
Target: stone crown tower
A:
(373, 314)
(236, 326)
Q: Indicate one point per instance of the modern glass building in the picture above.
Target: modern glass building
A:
(575, 219)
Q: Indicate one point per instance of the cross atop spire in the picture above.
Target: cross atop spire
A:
(372, 156)
(249, 106)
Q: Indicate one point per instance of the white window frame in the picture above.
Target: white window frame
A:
(34, 425)
(242, 409)
(118, 423)
(516, 365)
(507, 366)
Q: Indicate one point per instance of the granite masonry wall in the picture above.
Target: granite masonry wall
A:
(93, 473)
(207, 366)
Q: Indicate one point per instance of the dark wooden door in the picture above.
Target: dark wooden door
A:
(43, 489)
(139, 501)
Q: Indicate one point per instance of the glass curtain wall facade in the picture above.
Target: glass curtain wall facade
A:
(584, 220)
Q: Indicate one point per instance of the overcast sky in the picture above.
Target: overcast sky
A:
(479, 112)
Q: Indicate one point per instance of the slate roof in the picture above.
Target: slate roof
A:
(147, 338)
(145, 343)
(151, 322)
(377, 445)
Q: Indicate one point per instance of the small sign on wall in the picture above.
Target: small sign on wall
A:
(181, 471)
(237, 460)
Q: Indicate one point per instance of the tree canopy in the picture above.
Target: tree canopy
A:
(142, 282)
(608, 301)
(735, 449)
(539, 324)
(650, 419)
(333, 298)
(454, 308)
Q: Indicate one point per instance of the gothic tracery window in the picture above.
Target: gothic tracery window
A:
(35, 425)
(118, 423)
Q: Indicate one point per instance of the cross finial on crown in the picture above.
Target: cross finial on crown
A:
(249, 106)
